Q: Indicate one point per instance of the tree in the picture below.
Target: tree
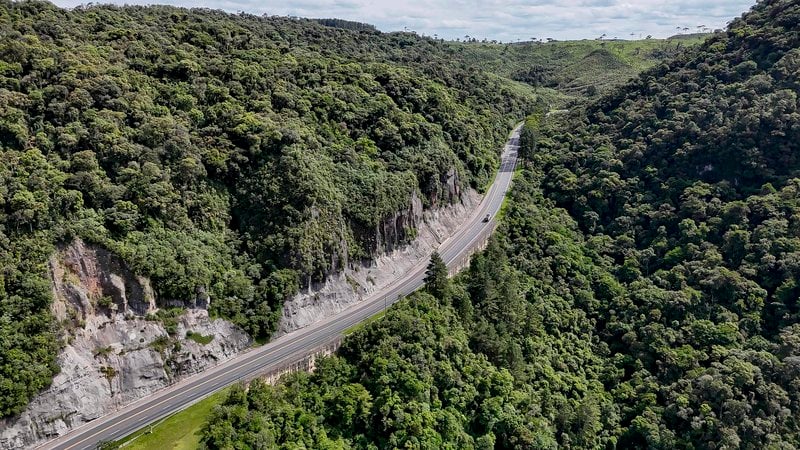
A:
(436, 281)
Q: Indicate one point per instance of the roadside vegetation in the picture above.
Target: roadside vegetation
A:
(180, 431)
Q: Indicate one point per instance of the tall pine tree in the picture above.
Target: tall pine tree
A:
(436, 281)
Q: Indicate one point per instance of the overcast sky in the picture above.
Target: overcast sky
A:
(506, 20)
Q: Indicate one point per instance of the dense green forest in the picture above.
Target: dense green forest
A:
(502, 357)
(684, 182)
(235, 155)
(641, 291)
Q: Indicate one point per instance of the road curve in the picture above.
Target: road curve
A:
(285, 349)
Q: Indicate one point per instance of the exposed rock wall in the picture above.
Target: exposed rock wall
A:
(85, 278)
(306, 363)
(114, 355)
(338, 291)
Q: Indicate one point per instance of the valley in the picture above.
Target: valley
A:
(194, 201)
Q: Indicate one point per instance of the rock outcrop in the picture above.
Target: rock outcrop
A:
(396, 254)
(117, 349)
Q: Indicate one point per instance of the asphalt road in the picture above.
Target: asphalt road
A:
(286, 349)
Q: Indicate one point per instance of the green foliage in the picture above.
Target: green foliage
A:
(29, 344)
(503, 359)
(179, 431)
(108, 372)
(436, 281)
(200, 338)
(168, 318)
(234, 159)
(103, 351)
(347, 25)
(161, 343)
(684, 182)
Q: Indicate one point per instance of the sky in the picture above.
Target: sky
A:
(503, 20)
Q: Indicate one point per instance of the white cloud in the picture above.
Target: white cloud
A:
(505, 20)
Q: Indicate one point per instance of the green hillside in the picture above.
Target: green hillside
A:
(243, 157)
(570, 70)
(685, 184)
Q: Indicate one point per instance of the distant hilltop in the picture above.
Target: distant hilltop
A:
(346, 24)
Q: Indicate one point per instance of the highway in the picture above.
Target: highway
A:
(288, 348)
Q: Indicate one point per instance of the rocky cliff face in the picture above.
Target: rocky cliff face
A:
(402, 227)
(396, 253)
(117, 350)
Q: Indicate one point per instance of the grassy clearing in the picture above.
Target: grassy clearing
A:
(180, 431)
(200, 338)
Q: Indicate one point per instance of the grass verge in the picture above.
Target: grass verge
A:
(504, 206)
(180, 431)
